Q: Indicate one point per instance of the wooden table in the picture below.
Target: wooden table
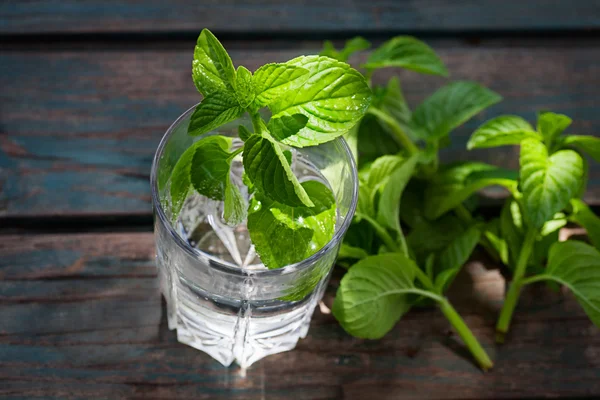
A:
(86, 91)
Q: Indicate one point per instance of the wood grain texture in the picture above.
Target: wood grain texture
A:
(271, 16)
(81, 318)
(79, 126)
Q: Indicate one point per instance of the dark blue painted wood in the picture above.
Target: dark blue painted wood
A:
(78, 127)
(271, 16)
(104, 338)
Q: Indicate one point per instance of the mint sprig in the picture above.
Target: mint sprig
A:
(313, 100)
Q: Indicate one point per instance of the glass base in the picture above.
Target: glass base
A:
(243, 332)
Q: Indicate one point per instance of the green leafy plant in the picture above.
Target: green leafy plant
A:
(312, 100)
(552, 178)
(389, 271)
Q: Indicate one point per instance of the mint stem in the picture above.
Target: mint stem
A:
(257, 123)
(464, 214)
(382, 233)
(466, 335)
(401, 136)
(510, 302)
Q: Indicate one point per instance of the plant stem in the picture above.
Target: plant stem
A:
(401, 136)
(466, 335)
(536, 278)
(465, 216)
(514, 290)
(257, 123)
(382, 233)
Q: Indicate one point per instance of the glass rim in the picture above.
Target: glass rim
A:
(227, 266)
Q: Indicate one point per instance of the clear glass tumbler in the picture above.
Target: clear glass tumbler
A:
(217, 303)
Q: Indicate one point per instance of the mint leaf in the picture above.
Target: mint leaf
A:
(379, 172)
(586, 144)
(235, 206)
(215, 110)
(268, 169)
(212, 69)
(585, 217)
(388, 212)
(209, 170)
(407, 52)
(454, 256)
(180, 180)
(501, 131)
(244, 87)
(493, 234)
(273, 80)
(286, 126)
(512, 229)
(577, 266)
(373, 295)
(551, 125)
(450, 107)
(375, 140)
(352, 46)
(455, 184)
(429, 237)
(347, 251)
(548, 182)
(391, 100)
(334, 98)
(244, 133)
(284, 235)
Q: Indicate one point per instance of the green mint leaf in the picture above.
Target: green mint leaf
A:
(273, 80)
(244, 133)
(548, 182)
(365, 204)
(450, 107)
(180, 180)
(379, 172)
(391, 100)
(210, 166)
(577, 266)
(284, 235)
(356, 253)
(244, 87)
(286, 126)
(512, 229)
(494, 236)
(268, 169)
(330, 51)
(454, 256)
(215, 110)
(585, 217)
(334, 98)
(430, 237)
(409, 53)
(388, 212)
(550, 125)
(375, 140)
(586, 144)
(212, 69)
(501, 131)
(374, 294)
(457, 182)
(235, 206)
(352, 46)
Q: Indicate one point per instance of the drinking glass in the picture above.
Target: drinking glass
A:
(220, 299)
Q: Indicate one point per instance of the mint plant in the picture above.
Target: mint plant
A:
(312, 100)
(397, 150)
(552, 179)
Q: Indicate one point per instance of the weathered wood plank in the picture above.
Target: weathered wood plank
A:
(79, 126)
(270, 16)
(110, 346)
